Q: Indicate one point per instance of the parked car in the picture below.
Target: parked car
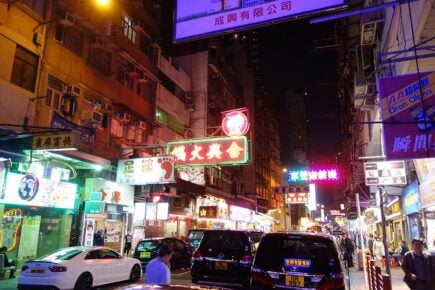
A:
(78, 268)
(147, 249)
(169, 287)
(194, 237)
(298, 260)
(224, 257)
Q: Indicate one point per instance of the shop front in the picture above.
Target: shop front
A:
(108, 207)
(212, 213)
(395, 222)
(36, 209)
(412, 211)
(427, 191)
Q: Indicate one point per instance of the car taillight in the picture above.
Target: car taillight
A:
(57, 268)
(197, 255)
(246, 259)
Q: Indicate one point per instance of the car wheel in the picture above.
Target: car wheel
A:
(135, 273)
(84, 282)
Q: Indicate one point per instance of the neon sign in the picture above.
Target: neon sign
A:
(235, 122)
(313, 175)
(210, 151)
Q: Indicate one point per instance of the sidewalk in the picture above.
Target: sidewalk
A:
(357, 279)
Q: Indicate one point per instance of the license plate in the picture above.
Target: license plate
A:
(145, 254)
(297, 281)
(37, 271)
(220, 265)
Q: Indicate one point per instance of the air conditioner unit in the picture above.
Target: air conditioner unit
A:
(67, 19)
(141, 125)
(125, 117)
(92, 116)
(72, 90)
(189, 107)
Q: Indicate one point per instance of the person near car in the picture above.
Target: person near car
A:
(7, 262)
(348, 250)
(128, 238)
(416, 266)
(157, 270)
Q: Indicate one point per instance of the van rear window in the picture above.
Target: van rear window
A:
(224, 240)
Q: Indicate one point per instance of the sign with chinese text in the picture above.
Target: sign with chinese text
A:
(408, 109)
(54, 142)
(208, 211)
(287, 189)
(296, 197)
(411, 198)
(427, 193)
(313, 175)
(385, 173)
(99, 189)
(235, 122)
(336, 212)
(150, 170)
(31, 191)
(210, 151)
(210, 17)
(238, 213)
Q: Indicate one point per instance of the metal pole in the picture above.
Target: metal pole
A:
(384, 230)
(363, 256)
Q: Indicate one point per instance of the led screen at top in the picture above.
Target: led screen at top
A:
(201, 18)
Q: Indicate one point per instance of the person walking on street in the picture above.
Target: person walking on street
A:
(378, 251)
(7, 262)
(157, 270)
(128, 238)
(398, 256)
(348, 250)
(417, 268)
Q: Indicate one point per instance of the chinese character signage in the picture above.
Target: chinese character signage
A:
(29, 190)
(287, 189)
(411, 198)
(211, 17)
(385, 173)
(150, 170)
(54, 142)
(208, 211)
(99, 189)
(313, 175)
(408, 110)
(211, 151)
(94, 207)
(297, 197)
(235, 122)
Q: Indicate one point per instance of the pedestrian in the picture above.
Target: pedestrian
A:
(157, 270)
(128, 238)
(417, 268)
(7, 262)
(348, 250)
(378, 251)
(400, 253)
(370, 242)
(99, 238)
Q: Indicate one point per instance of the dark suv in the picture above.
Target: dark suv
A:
(147, 249)
(194, 237)
(297, 260)
(224, 257)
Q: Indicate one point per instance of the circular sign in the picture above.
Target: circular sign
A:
(235, 124)
(28, 187)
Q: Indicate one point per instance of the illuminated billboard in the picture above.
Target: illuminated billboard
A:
(210, 151)
(211, 17)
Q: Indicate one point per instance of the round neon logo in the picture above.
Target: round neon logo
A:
(235, 124)
(28, 187)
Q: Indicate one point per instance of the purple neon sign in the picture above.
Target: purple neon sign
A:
(313, 175)
(211, 17)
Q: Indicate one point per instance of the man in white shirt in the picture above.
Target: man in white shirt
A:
(157, 270)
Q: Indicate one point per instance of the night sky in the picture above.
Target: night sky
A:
(289, 59)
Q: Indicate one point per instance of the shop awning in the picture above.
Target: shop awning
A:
(189, 186)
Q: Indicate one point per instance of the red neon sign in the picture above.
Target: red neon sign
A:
(211, 151)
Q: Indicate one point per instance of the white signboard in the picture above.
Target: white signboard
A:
(111, 192)
(385, 173)
(32, 191)
(150, 170)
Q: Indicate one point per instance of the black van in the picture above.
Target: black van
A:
(224, 258)
(298, 260)
(194, 237)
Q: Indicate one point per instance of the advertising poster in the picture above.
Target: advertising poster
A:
(408, 110)
(29, 237)
(89, 233)
(150, 170)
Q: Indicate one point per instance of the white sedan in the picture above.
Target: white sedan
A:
(78, 268)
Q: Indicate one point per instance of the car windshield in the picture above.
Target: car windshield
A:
(307, 254)
(227, 240)
(63, 254)
(149, 245)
